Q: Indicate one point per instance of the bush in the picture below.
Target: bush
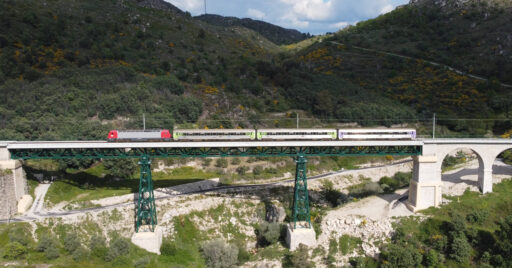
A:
(257, 170)
(220, 254)
(399, 180)
(142, 262)
(298, 258)
(206, 162)
(118, 247)
(122, 168)
(52, 253)
(365, 189)
(80, 254)
(98, 246)
(363, 262)
(439, 243)
(167, 83)
(221, 163)
(477, 216)
(432, 258)
(333, 196)
(235, 161)
(71, 243)
(168, 248)
(504, 236)
(268, 233)
(458, 225)
(460, 249)
(20, 235)
(14, 250)
(401, 255)
(46, 242)
(242, 170)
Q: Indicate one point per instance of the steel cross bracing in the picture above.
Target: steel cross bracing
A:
(113, 153)
(301, 196)
(146, 209)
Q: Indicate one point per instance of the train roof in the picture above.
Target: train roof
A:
(139, 130)
(221, 130)
(376, 129)
(296, 129)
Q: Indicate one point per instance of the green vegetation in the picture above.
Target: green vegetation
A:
(451, 35)
(385, 185)
(58, 247)
(268, 233)
(66, 75)
(81, 186)
(397, 181)
(507, 157)
(220, 254)
(298, 258)
(450, 162)
(470, 231)
(348, 243)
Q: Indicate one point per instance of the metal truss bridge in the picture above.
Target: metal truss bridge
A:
(145, 151)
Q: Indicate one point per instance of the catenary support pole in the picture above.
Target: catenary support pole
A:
(434, 126)
(301, 196)
(146, 211)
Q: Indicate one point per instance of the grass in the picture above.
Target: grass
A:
(348, 243)
(81, 186)
(32, 184)
(186, 242)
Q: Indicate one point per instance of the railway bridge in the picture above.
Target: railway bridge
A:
(424, 191)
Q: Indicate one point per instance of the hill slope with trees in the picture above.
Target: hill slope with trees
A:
(72, 70)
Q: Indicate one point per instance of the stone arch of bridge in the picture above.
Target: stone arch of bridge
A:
(458, 177)
(486, 154)
(499, 169)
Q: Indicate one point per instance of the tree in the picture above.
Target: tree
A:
(460, 249)
(71, 243)
(432, 258)
(401, 255)
(80, 254)
(219, 254)
(299, 258)
(257, 170)
(98, 246)
(504, 236)
(268, 233)
(235, 161)
(14, 250)
(122, 168)
(221, 163)
(242, 170)
(168, 83)
(118, 247)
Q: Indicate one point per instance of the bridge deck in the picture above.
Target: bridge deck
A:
(216, 144)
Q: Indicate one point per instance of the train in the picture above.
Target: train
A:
(279, 134)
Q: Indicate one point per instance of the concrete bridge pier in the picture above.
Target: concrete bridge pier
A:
(13, 186)
(485, 179)
(425, 188)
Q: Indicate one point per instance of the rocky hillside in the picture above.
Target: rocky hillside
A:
(159, 4)
(274, 33)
